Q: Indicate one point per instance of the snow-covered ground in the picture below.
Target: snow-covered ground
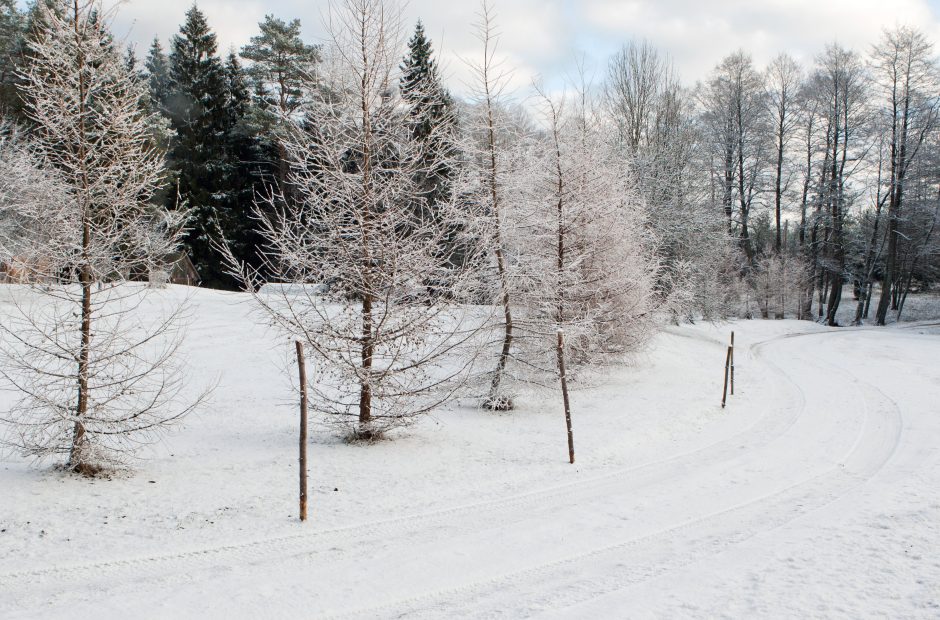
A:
(815, 493)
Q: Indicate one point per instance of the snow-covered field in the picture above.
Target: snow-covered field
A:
(815, 493)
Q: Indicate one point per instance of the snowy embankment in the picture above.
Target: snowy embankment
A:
(814, 493)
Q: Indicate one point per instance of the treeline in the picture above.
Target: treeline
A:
(822, 175)
(833, 164)
(217, 120)
(825, 173)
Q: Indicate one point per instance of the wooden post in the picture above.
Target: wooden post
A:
(732, 363)
(724, 393)
(303, 430)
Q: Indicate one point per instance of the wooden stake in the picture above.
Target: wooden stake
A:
(724, 393)
(732, 363)
(302, 368)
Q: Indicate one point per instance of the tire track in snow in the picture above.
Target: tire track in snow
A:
(874, 445)
(472, 516)
(440, 523)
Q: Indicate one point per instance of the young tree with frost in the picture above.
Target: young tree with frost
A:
(488, 150)
(352, 252)
(588, 272)
(96, 377)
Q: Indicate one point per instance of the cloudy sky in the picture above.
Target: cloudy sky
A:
(542, 37)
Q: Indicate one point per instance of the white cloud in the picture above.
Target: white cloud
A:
(541, 37)
(698, 34)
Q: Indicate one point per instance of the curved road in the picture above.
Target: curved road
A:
(826, 503)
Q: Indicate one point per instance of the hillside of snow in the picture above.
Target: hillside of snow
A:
(814, 493)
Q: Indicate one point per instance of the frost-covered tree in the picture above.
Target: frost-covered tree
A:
(96, 376)
(588, 274)
(489, 146)
(734, 119)
(353, 255)
(783, 79)
(838, 83)
(658, 135)
(25, 186)
(905, 71)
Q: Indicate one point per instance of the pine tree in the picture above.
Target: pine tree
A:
(204, 113)
(158, 74)
(282, 70)
(432, 122)
(280, 63)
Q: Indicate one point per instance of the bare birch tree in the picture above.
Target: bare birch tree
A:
(96, 373)
(783, 79)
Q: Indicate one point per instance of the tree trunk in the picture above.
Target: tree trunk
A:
(563, 378)
(778, 242)
(302, 369)
(496, 402)
(368, 349)
(78, 453)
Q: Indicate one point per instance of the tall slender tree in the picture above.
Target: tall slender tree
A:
(488, 152)
(906, 71)
(783, 80)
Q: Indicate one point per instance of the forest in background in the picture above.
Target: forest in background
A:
(821, 175)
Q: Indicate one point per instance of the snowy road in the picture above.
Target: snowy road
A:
(823, 499)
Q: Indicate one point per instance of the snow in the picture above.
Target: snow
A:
(813, 494)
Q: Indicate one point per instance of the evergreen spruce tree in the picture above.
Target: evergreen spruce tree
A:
(242, 167)
(206, 104)
(433, 122)
(281, 69)
(158, 75)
